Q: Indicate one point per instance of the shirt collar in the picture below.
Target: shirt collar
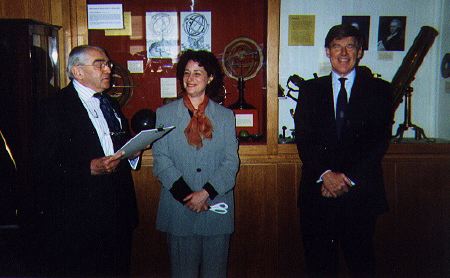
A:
(84, 92)
(350, 76)
(348, 83)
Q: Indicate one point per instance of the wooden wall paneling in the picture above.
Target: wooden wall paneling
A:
(40, 10)
(386, 232)
(81, 16)
(446, 219)
(418, 202)
(150, 257)
(289, 250)
(412, 239)
(60, 16)
(13, 9)
(253, 244)
(32, 9)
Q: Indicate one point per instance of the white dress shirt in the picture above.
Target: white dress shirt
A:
(92, 105)
(337, 85)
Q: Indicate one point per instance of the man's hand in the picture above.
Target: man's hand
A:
(335, 184)
(105, 165)
(196, 201)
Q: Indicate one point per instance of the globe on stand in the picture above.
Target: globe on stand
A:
(242, 59)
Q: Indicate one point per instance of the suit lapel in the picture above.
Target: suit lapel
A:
(358, 95)
(327, 106)
(78, 120)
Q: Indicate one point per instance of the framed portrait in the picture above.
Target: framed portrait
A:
(391, 33)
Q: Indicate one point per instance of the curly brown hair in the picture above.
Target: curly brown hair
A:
(215, 90)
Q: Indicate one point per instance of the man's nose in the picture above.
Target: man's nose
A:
(107, 69)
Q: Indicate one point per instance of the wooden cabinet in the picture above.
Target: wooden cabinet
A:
(413, 237)
(30, 72)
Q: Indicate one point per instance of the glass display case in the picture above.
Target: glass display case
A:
(30, 72)
(146, 49)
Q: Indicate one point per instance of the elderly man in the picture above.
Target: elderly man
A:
(85, 189)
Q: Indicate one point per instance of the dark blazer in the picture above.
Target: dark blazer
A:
(397, 42)
(358, 154)
(76, 205)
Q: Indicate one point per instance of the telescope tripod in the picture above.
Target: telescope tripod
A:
(419, 134)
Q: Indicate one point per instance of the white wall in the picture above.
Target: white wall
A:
(443, 107)
(306, 60)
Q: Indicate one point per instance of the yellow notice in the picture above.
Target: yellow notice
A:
(301, 30)
(121, 32)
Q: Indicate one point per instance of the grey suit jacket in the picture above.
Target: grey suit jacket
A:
(217, 162)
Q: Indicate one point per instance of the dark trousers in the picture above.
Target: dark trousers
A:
(91, 254)
(353, 234)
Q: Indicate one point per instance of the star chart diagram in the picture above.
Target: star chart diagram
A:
(195, 30)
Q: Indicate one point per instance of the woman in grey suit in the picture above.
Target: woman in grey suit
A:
(197, 164)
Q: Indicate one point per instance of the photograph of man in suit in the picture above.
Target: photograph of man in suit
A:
(343, 126)
(86, 191)
(391, 33)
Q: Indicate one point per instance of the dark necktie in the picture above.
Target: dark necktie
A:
(113, 123)
(340, 107)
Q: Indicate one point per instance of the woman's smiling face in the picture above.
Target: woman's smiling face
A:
(195, 79)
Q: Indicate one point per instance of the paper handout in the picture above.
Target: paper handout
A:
(142, 140)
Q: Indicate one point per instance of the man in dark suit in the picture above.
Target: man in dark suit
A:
(86, 191)
(342, 135)
(395, 39)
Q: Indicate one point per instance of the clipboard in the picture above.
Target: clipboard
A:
(143, 139)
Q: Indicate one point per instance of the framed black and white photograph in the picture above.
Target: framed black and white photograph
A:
(362, 23)
(391, 33)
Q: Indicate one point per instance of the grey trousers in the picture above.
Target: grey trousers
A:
(198, 256)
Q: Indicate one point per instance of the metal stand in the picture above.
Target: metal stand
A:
(241, 103)
(419, 134)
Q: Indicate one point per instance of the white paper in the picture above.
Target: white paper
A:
(244, 120)
(142, 140)
(105, 16)
(135, 66)
(168, 87)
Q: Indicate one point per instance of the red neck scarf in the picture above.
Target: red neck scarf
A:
(199, 127)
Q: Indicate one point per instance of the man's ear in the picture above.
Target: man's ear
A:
(211, 78)
(327, 51)
(360, 53)
(77, 72)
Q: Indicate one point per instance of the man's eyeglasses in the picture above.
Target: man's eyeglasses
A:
(100, 65)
